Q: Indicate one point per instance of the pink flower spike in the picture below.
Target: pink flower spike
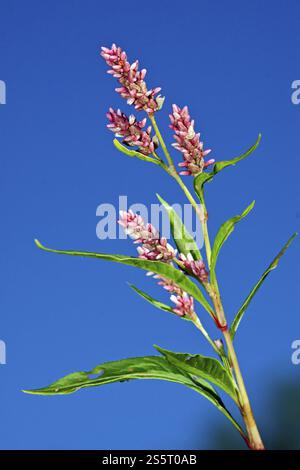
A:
(153, 247)
(131, 131)
(194, 267)
(187, 142)
(184, 304)
(134, 88)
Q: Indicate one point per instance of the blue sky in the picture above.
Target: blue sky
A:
(233, 64)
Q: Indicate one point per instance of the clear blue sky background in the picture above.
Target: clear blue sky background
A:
(233, 63)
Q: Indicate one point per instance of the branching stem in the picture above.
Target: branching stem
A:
(254, 439)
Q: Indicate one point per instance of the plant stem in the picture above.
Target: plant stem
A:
(201, 328)
(202, 215)
(189, 196)
(205, 233)
(161, 141)
(254, 439)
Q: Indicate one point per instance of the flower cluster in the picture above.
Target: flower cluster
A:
(135, 227)
(134, 88)
(156, 248)
(188, 142)
(153, 246)
(132, 131)
(184, 304)
(195, 267)
(160, 251)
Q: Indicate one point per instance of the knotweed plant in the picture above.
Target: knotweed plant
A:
(182, 269)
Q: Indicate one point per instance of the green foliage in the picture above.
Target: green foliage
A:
(205, 177)
(245, 305)
(156, 303)
(183, 239)
(225, 230)
(163, 269)
(149, 367)
(204, 367)
(134, 153)
(197, 372)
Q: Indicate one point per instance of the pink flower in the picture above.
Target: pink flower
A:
(184, 304)
(160, 251)
(168, 285)
(156, 248)
(134, 88)
(195, 267)
(188, 142)
(131, 130)
(136, 228)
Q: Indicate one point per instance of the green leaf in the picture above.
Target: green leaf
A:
(134, 153)
(225, 230)
(199, 182)
(245, 305)
(156, 303)
(158, 267)
(219, 166)
(183, 239)
(206, 368)
(149, 367)
(204, 177)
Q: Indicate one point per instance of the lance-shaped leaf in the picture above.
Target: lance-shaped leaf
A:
(163, 269)
(225, 230)
(245, 305)
(205, 177)
(149, 367)
(206, 368)
(182, 238)
(156, 303)
(134, 153)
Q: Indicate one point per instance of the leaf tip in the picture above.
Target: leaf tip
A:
(38, 244)
(293, 237)
(159, 198)
(158, 348)
(250, 207)
(28, 392)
